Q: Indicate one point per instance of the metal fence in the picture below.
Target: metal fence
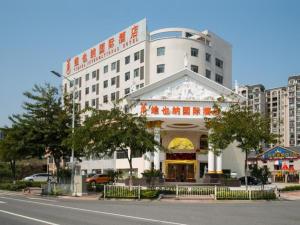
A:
(196, 192)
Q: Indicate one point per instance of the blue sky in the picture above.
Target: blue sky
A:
(37, 36)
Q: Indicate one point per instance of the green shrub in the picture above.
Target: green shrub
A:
(291, 188)
(19, 185)
(150, 194)
(244, 195)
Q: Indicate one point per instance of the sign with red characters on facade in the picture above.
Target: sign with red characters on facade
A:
(185, 110)
(120, 41)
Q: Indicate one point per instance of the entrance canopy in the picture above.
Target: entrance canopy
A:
(182, 100)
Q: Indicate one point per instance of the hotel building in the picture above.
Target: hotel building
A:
(175, 75)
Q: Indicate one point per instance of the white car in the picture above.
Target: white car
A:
(42, 177)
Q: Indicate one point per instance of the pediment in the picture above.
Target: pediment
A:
(185, 86)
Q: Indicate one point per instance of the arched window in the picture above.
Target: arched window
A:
(203, 142)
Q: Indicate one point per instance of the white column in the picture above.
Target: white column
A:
(219, 163)
(157, 152)
(211, 162)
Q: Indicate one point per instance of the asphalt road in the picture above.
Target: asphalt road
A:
(18, 209)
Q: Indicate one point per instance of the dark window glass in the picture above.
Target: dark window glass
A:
(136, 72)
(136, 56)
(105, 84)
(194, 52)
(105, 69)
(142, 56)
(113, 96)
(160, 51)
(141, 73)
(127, 91)
(219, 78)
(219, 63)
(160, 68)
(94, 88)
(113, 81)
(87, 77)
(194, 68)
(105, 99)
(87, 90)
(207, 57)
(127, 59)
(208, 73)
(127, 76)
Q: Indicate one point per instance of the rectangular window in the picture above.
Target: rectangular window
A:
(160, 68)
(219, 63)
(97, 103)
(127, 91)
(207, 57)
(219, 78)
(117, 81)
(76, 81)
(105, 84)
(94, 88)
(127, 76)
(105, 99)
(136, 56)
(94, 74)
(142, 56)
(113, 96)
(122, 154)
(113, 66)
(160, 51)
(93, 102)
(141, 85)
(86, 104)
(87, 77)
(127, 59)
(118, 66)
(97, 74)
(194, 68)
(113, 81)
(105, 69)
(142, 73)
(117, 95)
(208, 74)
(71, 83)
(79, 95)
(136, 72)
(80, 82)
(97, 89)
(87, 90)
(194, 52)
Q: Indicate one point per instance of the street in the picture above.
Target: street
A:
(18, 209)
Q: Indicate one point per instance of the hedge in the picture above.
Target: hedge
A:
(291, 188)
(19, 185)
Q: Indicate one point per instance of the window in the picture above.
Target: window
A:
(127, 91)
(113, 96)
(113, 66)
(94, 102)
(219, 78)
(71, 83)
(194, 68)
(127, 59)
(208, 73)
(77, 81)
(219, 63)
(97, 74)
(160, 68)
(105, 99)
(105, 84)
(141, 85)
(142, 56)
(160, 51)
(127, 76)
(87, 77)
(113, 81)
(105, 69)
(79, 95)
(194, 52)
(94, 88)
(97, 89)
(86, 104)
(136, 72)
(136, 56)
(118, 66)
(94, 74)
(122, 154)
(207, 57)
(142, 73)
(87, 90)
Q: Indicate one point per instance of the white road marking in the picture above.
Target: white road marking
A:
(98, 212)
(44, 199)
(27, 217)
(2, 202)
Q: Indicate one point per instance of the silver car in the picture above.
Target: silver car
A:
(42, 177)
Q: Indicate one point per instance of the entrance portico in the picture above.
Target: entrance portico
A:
(176, 108)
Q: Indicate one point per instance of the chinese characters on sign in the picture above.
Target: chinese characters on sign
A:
(175, 110)
(124, 39)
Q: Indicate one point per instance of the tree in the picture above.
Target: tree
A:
(47, 121)
(106, 132)
(261, 173)
(239, 124)
(11, 147)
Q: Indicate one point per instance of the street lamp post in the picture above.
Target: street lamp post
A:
(73, 125)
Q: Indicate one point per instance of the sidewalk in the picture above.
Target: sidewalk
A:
(290, 195)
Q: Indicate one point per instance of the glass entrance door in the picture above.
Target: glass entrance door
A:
(181, 172)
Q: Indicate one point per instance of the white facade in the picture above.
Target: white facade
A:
(136, 60)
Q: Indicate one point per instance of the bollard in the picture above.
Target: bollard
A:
(104, 192)
(215, 192)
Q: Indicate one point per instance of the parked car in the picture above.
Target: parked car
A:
(250, 181)
(98, 179)
(41, 177)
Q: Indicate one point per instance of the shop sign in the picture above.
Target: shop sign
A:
(279, 153)
(119, 42)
